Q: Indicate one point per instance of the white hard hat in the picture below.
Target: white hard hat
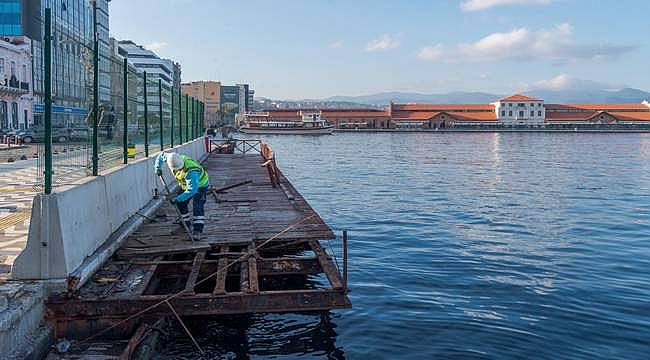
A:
(174, 161)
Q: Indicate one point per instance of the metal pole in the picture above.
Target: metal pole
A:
(95, 92)
(125, 128)
(48, 100)
(160, 115)
(345, 260)
(180, 117)
(146, 118)
(171, 120)
(187, 118)
(193, 119)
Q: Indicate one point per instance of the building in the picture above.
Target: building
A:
(520, 110)
(72, 45)
(514, 111)
(144, 60)
(20, 18)
(237, 99)
(209, 93)
(178, 70)
(16, 96)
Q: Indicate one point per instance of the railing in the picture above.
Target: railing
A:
(269, 162)
(232, 146)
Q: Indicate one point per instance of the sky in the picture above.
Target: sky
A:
(314, 49)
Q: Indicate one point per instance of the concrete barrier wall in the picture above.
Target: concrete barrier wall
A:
(70, 225)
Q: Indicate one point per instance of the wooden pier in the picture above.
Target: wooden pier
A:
(261, 252)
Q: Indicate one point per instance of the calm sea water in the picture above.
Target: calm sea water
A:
(467, 246)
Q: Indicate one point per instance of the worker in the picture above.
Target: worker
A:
(193, 182)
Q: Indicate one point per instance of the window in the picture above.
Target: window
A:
(521, 105)
(521, 114)
(539, 113)
(503, 113)
(2, 66)
(510, 104)
(13, 68)
(510, 113)
(14, 115)
(24, 73)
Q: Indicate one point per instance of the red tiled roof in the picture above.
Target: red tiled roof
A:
(598, 107)
(414, 115)
(475, 116)
(519, 97)
(631, 116)
(443, 107)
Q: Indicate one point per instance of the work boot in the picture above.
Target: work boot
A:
(197, 235)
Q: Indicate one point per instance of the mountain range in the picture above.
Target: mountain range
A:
(626, 95)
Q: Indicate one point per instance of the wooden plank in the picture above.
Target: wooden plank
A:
(253, 280)
(244, 283)
(326, 264)
(194, 274)
(149, 275)
(222, 272)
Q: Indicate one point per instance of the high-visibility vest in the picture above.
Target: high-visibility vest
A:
(190, 164)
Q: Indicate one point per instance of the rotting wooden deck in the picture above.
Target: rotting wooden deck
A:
(260, 252)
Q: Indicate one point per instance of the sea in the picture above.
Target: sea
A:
(465, 246)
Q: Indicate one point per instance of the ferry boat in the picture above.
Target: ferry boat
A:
(310, 123)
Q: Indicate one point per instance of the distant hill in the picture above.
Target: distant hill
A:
(627, 95)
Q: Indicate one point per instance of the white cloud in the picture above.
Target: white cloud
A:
(385, 42)
(566, 82)
(556, 44)
(336, 45)
(156, 46)
(479, 5)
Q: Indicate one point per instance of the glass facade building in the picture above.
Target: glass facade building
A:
(72, 52)
(11, 17)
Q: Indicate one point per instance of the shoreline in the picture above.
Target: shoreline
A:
(540, 130)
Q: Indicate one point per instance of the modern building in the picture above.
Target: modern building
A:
(208, 92)
(72, 45)
(237, 99)
(145, 60)
(514, 111)
(16, 97)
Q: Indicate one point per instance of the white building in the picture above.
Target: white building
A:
(520, 110)
(16, 93)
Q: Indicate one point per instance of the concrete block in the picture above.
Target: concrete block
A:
(71, 225)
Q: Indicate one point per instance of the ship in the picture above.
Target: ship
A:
(310, 123)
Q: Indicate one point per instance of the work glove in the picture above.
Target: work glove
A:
(159, 172)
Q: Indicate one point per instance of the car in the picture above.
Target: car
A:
(37, 134)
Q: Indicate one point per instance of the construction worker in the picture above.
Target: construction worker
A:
(193, 182)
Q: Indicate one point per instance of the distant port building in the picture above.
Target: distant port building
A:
(518, 111)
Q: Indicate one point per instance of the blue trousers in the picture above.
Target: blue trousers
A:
(198, 210)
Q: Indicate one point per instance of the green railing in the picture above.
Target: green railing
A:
(133, 117)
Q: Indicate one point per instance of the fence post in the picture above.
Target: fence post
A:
(95, 92)
(193, 119)
(125, 127)
(180, 117)
(171, 119)
(160, 115)
(48, 100)
(146, 118)
(187, 118)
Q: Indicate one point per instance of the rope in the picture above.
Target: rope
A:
(241, 258)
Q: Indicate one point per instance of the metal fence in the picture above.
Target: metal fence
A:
(134, 117)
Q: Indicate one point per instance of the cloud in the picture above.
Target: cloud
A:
(385, 42)
(522, 44)
(480, 5)
(156, 46)
(336, 45)
(566, 82)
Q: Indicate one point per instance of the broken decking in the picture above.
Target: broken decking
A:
(260, 253)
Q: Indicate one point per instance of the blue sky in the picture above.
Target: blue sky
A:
(319, 48)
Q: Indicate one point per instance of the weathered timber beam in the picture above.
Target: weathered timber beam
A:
(253, 280)
(328, 267)
(222, 272)
(194, 274)
(237, 303)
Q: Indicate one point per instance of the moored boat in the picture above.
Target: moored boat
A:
(310, 123)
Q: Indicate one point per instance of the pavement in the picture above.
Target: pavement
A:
(19, 183)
